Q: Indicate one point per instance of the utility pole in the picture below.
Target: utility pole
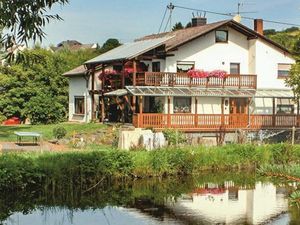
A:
(170, 8)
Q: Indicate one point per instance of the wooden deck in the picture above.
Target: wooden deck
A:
(214, 122)
(236, 81)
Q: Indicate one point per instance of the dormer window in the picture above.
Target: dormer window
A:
(221, 36)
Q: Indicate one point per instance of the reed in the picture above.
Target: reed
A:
(88, 169)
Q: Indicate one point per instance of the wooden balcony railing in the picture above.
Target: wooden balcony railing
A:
(214, 121)
(183, 79)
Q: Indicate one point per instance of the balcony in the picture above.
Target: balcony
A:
(214, 122)
(233, 81)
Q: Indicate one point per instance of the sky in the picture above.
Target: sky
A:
(95, 21)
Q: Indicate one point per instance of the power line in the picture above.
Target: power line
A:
(163, 20)
(202, 10)
(167, 23)
(230, 15)
(272, 21)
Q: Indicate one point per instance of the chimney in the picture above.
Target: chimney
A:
(199, 21)
(259, 26)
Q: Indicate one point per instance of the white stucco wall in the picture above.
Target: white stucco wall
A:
(209, 55)
(205, 105)
(209, 105)
(255, 56)
(265, 60)
(77, 87)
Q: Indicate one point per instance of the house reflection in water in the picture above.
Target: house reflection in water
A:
(227, 204)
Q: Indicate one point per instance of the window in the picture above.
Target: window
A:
(234, 68)
(182, 104)
(285, 106)
(79, 105)
(222, 36)
(184, 67)
(283, 70)
(155, 66)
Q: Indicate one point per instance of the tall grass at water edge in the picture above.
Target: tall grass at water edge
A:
(84, 169)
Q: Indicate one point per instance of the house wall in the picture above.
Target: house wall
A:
(209, 55)
(255, 56)
(77, 87)
(205, 105)
(266, 59)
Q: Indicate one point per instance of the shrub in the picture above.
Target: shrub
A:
(44, 109)
(174, 137)
(2, 118)
(59, 132)
(283, 153)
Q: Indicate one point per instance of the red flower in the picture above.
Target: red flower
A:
(197, 73)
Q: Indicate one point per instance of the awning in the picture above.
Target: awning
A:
(187, 91)
(274, 93)
(128, 51)
(285, 101)
(119, 92)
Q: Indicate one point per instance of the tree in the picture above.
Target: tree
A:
(24, 20)
(177, 26)
(37, 74)
(293, 80)
(188, 25)
(291, 29)
(269, 32)
(109, 45)
(297, 47)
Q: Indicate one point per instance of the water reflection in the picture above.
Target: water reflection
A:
(226, 198)
(229, 204)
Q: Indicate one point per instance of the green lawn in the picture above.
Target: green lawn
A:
(7, 132)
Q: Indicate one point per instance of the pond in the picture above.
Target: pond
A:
(212, 198)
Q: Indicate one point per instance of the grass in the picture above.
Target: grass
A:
(7, 132)
(85, 169)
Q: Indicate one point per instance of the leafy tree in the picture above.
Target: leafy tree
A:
(24, 20)
(189, 24)
(291, 29)
(109, 45)
(177, 26)
(44, 109)
(38, 73)
(269, 32)
(297, 47)
(293, 80)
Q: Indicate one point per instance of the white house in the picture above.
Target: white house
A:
(178, 80)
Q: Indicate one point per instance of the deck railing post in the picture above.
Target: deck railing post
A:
(298, 108)
(196, 112)
(140, 115)
(169, 113)
(273, 113)
(134, 72)
(222, 113)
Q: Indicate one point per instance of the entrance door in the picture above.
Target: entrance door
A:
(238, 112)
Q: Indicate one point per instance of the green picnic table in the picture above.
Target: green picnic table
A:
(34, 135)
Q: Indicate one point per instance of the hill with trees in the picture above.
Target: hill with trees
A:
(289, 38)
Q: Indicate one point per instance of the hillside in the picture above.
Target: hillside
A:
(289, 38)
